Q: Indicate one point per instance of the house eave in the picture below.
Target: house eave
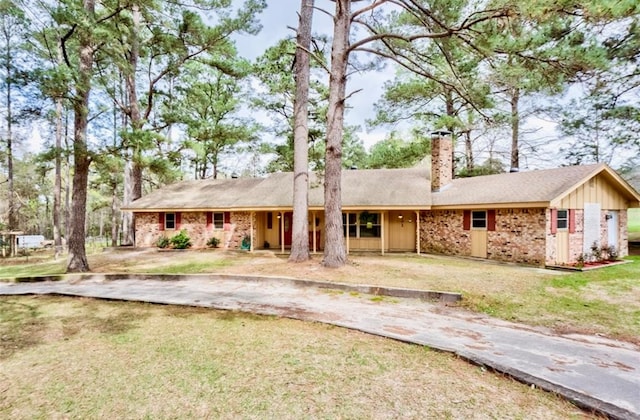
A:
(482, 206)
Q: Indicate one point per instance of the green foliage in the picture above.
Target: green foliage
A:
(181, 240)
(208, 105)
(394, 152)
(163, 242)
(213, 242)
(489, 167)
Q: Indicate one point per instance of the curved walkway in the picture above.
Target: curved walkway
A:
(595, 373)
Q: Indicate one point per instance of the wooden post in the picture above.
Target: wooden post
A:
(382, 231)
(282, 232)
(313, 222)
(251, 215)
(347, 231)
(418, 232)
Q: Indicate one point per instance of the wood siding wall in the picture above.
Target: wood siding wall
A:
(596, 190)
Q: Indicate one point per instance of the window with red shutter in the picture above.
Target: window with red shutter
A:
(491, 220)
(466, 220)
(572, 220)
(209, 220)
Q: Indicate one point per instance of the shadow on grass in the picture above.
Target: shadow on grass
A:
(25, 321)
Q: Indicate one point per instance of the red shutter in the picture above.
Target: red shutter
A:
(209, 220)
(227, 220)
(554, 220)
(161, 221)
(572, 220)
(491, 220)
(466, 220)
(178, 220)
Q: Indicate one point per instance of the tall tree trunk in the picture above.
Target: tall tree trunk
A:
(133, 176)
(67, 187)
(77, 252)
(468, 150)
(334, 250)
(114, 215)
(515, 129)
(57, 183)
(300, 224)
(11, 201)
(127, 216)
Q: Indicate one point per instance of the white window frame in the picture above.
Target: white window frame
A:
(217, 219)
(483, 219)
(564, 219)
(173, 221)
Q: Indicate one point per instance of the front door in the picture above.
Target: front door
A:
(612, 229)
(288, 222)
(479, 243)
(562, 247)
(479, 233)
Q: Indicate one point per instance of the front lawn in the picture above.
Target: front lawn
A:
(634, 224)
(67, 357)
(604, 301)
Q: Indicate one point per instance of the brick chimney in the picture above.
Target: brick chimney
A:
(441, 160)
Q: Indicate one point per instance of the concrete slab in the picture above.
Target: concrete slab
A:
(595, 373)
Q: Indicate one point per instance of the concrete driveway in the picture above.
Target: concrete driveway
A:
(595, 373)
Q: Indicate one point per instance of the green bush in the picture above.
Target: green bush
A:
(213, 242)
(181, 240)
(163, 242)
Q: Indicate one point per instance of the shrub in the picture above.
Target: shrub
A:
(612, 253)
(213, 242)
(163, 242)
(181, 240)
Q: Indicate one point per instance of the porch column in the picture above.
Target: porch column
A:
(347, 230)
(281, 219)
(382, 232)
(252, 215)
(418, 232)
(313, 223)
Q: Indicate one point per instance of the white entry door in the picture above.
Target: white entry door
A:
(612, 229)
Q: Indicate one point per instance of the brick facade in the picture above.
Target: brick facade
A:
(195, 224)
(441, 232)
(519, 235)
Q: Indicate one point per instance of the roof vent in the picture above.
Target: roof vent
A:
(514, 170)
(234, 175)
(353, 167)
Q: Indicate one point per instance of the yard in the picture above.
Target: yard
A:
(82, 358)
(604, 301)
(69, 357)
(634, 225)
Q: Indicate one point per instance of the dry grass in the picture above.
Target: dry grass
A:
(593, 302)
(81, 358)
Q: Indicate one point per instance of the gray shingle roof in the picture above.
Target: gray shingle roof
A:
(380, 189)
(375, 188)
(520, 187)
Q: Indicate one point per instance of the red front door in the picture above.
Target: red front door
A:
(288, 221)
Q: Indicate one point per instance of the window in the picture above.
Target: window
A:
(369, 225)
(479, 219)
(352, 226)
(170, 221)
(562, 221)
(362, 225)
(218, 220)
